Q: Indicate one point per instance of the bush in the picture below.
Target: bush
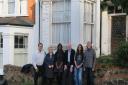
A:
(121, 55)
(107, 60)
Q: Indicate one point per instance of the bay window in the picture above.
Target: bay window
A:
(61, 21)
(89, 9)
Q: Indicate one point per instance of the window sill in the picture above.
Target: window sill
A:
(13, 15)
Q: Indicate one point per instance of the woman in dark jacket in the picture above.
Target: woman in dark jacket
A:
(78, 60)
(59, 63)
(49, 65)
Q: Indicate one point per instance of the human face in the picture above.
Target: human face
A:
(69, 46)
(40, 47)
(89, 45)
(50, 50)
(79, 48)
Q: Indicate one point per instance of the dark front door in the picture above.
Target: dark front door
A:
(118, 31)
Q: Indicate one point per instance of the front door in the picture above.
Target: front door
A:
(118, 31)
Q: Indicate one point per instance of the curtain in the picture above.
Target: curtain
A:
(61, 33)
(1, 6)
(11, 6)
(88, 21)
(61, 18)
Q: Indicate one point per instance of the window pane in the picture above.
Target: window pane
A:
(21, 41)
(1, 41)
(11, 6)
(88, 12)
(23, 7)
(61, 33)
(21, 46)
(1, 6)
(61, 18)
(87, 33)
(25, 43)
(16, 46)
(61, 11)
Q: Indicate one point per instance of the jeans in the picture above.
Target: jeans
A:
(78, 76)
(89, 76)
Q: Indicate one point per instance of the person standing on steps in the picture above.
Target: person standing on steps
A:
(38, 63)
(69, 65)
(78, 60)
(89, 63)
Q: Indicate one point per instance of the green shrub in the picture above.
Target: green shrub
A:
(121, 55)
(107, 60)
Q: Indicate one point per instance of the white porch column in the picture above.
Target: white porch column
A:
(8, 48)
(75, 22)
(127, 27)
(106, 33)
(46, 23)
(96, 32)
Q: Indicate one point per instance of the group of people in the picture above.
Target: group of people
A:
(66, 67)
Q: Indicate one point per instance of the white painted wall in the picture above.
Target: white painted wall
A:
(8, 33)
(106, 33)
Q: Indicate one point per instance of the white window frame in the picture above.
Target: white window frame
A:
(16, 9)
(92, 23)
(66, 22)
(20, 12)
(25, 45)
(11, 14)
(1, 51)
(2, 3)
(20, 54)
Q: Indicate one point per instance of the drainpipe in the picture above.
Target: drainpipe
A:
(100, 32)
(39, 20)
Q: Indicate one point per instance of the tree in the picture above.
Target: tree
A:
(122, 3)
(116, 3)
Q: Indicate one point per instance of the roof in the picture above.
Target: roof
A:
(19, 21)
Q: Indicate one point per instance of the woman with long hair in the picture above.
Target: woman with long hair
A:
(59, 63)
(78, 60)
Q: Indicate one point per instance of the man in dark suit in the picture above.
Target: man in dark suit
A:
(69, 64)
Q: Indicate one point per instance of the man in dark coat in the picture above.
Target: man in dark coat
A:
(69, 64)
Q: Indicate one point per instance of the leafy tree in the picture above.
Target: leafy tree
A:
(116, 3)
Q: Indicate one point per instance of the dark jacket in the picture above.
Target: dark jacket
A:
(49, 72)
(71, 57)
(59, 61)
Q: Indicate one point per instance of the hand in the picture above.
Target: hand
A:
(37, 70)
(52, 66)
(71, 69)
(49, 66)
(65, 67)
(93, 69)
(78, 66)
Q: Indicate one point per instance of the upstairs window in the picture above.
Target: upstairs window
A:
(23, 7)
(11, 6)
(1, 6)
(61, 21)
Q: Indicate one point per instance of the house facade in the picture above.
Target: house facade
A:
(24, 23)
(114, 28)
(17, 20)
(74, 21)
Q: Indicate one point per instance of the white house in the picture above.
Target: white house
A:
(75, 21)
(24, 23)
(114, 28)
